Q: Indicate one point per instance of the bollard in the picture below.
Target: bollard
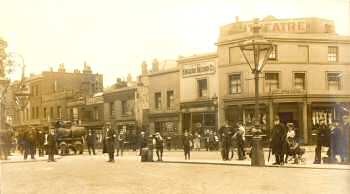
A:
(257, 152)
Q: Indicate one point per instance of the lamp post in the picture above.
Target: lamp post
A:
(256, 52)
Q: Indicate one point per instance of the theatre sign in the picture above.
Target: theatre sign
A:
(274, 25)
(196, 69)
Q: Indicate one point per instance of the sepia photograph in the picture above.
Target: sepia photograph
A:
(175, 97)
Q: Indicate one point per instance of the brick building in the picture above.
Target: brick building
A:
(51, 92)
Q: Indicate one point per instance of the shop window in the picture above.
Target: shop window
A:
(170, 99)
(332, 54)
(271, 81)
(202, 87)
(158, 100)
(273, 54)
(299, 81)
(235, 83)
(333, 80)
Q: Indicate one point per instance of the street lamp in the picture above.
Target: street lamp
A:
(256, 52)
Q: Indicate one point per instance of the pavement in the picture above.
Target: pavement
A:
(86, 174)
(211, 157)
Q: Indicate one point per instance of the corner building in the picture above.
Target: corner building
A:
(305, 78)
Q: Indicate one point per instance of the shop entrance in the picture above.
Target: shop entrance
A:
(286, 117)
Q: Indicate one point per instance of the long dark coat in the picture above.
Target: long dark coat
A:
(336, 141)
(51, 144)
(345, 133)
(278, 139)
(108, 141)
(323, 135)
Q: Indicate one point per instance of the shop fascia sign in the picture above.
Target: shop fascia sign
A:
(196, 69)
(289, 26)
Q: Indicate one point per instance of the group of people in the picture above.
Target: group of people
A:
(335, 136)
(284, 143)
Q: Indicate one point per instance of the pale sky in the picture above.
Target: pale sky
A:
(115, 36)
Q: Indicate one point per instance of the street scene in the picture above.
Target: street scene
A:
(177, 97)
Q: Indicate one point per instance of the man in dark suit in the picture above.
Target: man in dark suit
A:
(323, 135)
(91, 141)
(187, 144)
(142, 141)
(120, 142)
(50, 142)
(278, 140)
(29, 146)
(109, 139)
(225, 134)
(40, 142)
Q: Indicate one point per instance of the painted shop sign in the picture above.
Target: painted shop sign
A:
(198, 69)
(287, 27)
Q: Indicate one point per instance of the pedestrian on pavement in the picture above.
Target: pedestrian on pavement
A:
(159, 145)
(109, 138)
(206, 139)
(345, 133)
(142, 141)
(197, 141)
(187, 144)
(168, 142)
(240, 140)
(278, 141)
(120, 142)
(225, 134)
(40, 142)
(3, 144)
(322, 139)
(91, 141)
(29, 145)
(335, 141)
(50, 142)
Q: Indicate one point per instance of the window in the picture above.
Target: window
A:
(124, 107)
(235, 83)
(333, 80)
(271, 81)
(332, 54)
(299, 81)
(96, 114)
(33, 113)
(51, 113)
(170, 99)
(32, 90)
(37, 112)
(273, 54)
(36, 90)
(111, 108)
(54, 86)
(202, 88)
(45, 113)
(59, 112)
(158, 100)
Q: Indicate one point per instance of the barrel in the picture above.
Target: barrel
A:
(63, 132)
(78, 131)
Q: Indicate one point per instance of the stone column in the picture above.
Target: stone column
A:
(304, 122)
